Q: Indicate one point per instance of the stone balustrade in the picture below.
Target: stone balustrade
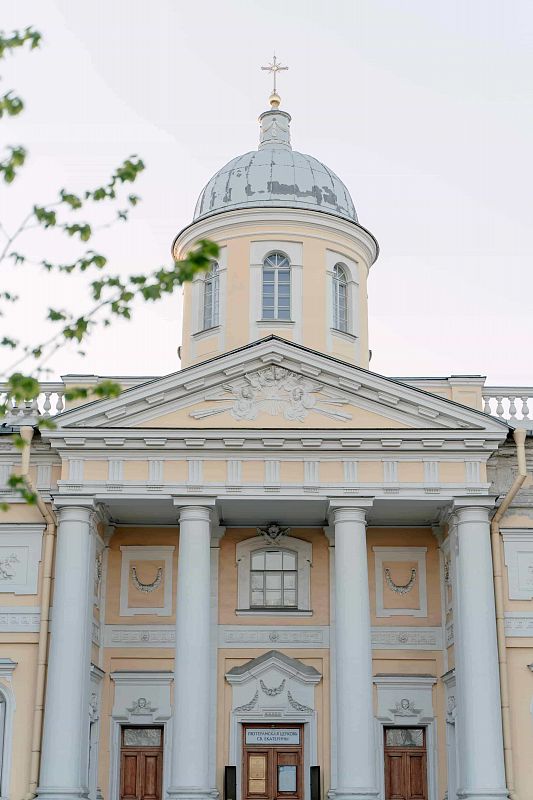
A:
(511, 403)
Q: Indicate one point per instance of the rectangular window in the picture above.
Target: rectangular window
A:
(273, 577)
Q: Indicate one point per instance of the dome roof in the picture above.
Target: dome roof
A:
(275, 176)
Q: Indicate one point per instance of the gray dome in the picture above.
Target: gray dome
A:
(275, 177)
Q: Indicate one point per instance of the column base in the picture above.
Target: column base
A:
(482, 794)
(191, 793)
(353, 794)
(62, 793)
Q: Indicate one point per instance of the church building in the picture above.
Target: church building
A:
(272, 574)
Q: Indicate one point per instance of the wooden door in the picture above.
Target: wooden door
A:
(405, 764)
(273, 762)
(141, 763)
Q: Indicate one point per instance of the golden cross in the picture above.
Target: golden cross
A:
(274, 67)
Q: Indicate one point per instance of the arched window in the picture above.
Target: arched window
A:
(211, 296)
(276, 298)
(273, 579)
(340, 298)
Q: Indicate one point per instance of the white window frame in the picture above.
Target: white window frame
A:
(212, 281)
(352, 334)
(265, 571)
(340, 305)
(276, 269)
(259, 250)
(304, 554)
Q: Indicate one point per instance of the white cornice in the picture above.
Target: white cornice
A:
(367, 390)
(225, 225)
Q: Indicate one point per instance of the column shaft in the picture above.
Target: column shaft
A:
(190, 747)
(64, 766)
(482, 772)
(356, 756)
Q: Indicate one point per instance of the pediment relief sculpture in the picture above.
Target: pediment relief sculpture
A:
(275, 391)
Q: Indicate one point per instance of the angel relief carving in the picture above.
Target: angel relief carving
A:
(275, 391)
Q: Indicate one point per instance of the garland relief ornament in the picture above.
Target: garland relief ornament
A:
(275, 391)
(147, 587)
(399, 588)
(272, 692)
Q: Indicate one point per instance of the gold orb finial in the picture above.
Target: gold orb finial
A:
(275, 100)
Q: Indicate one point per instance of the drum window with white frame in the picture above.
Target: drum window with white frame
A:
(340, 298)
(276, 287)
(273, 579)
(211, 297)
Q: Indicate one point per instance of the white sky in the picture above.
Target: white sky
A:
(422, 107)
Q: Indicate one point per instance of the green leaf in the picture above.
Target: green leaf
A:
(45, 216)
(22, 387)
(70, 199)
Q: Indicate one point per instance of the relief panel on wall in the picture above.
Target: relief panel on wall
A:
(400, 581)
(20, 553)
(146, 581)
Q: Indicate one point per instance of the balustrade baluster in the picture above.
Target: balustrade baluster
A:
(499, 407)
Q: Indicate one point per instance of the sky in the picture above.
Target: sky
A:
(423, 108)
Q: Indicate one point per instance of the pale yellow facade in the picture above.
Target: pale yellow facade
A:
(146, 568)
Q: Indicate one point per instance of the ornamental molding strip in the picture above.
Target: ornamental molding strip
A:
(288, 637)
(19, 619)
(519, 624)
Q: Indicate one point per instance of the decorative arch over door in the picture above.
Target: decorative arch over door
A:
(276, 688)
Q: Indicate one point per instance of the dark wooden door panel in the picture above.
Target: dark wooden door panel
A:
(287, 774)
(151, 773)
(129, 780)
(416, 776)
(394, 776)
(257, 775)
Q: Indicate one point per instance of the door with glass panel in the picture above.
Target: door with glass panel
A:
(141, 763)
(405, 764)
(272, 762)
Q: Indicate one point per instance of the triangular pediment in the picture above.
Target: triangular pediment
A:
(274, 384)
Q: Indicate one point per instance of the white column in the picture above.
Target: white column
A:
(482, 772)
(356, 755)
(190, 743)
(64, 768)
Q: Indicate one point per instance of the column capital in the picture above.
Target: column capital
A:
(194, 514)
(77, 510)
(484, 502)
(349, 510)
